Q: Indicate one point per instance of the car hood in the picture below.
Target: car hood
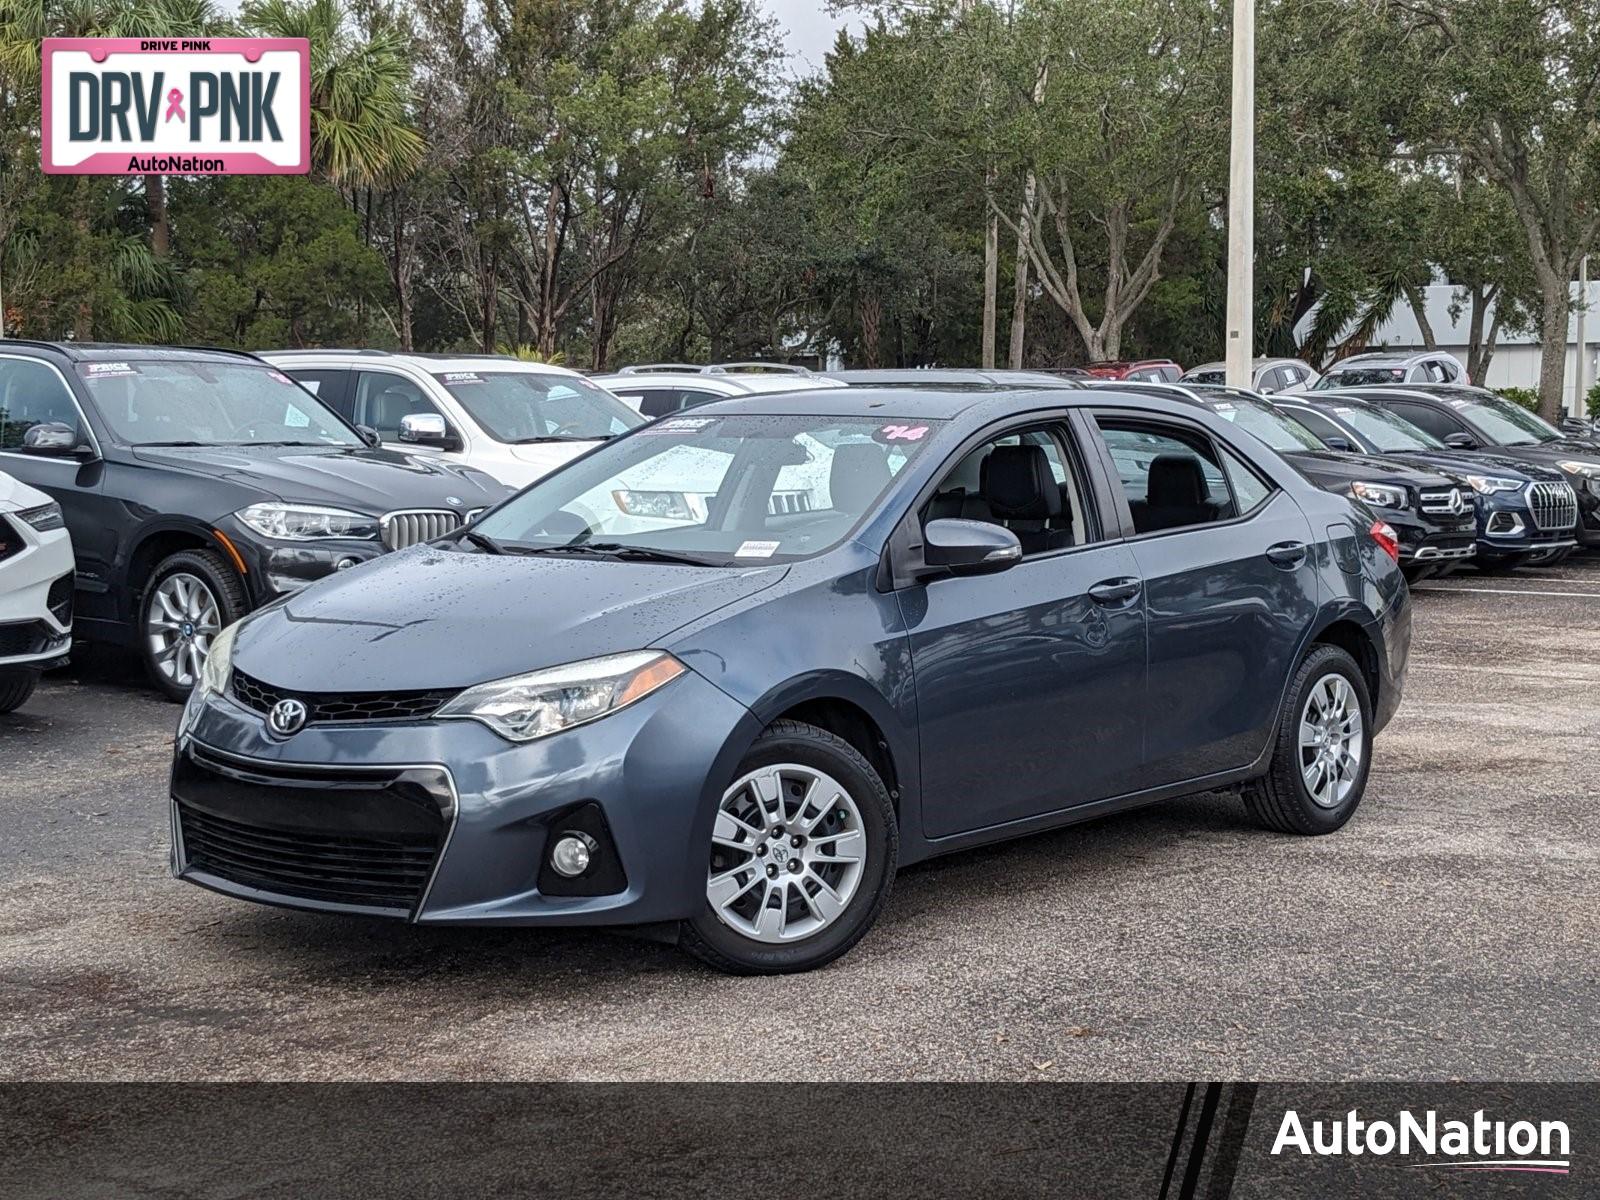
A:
(15, 494)
(433, 618)
(1508, 460)
(369, 481)
(1371, 468)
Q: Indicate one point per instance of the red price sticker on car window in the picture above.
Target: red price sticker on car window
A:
(901, 433)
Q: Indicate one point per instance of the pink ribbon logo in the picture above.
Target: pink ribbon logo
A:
(175, 105)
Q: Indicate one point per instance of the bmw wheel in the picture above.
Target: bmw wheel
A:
(802, 856)
(191, 597)
(1323, 751)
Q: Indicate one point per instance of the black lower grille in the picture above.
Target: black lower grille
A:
(59, 600)
(360, 839)
(328, 707)
(369, 872)
(27, 637)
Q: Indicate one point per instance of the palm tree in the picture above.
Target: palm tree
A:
(361, 131)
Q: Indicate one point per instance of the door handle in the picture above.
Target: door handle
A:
(1287, 554)
(1114, 591)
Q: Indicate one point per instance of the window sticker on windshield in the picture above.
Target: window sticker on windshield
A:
(756, 550)
(110, 370)
(451, 378)
(293, 418)
(900, 433)
(680, 425)
(1225, 410)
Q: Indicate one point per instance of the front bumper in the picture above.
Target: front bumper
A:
(1507, 529)
(35, 597)
(651, 769)
(276, 568)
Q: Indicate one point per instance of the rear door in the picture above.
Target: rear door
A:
(1230, 585)
(1029, 682)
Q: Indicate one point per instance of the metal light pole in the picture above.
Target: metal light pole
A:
(1242, 199)
(1579, 403)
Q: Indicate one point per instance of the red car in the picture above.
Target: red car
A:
(1144, 370)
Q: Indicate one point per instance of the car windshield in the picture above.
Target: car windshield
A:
(155, 402)
(1268, 424)
(1503, 422)
(719, 490)
(538, 406)
(1386, 432)
(1359, 377)
(1213, 377)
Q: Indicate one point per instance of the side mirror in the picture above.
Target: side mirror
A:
(1461, 441)
(53, 439)
(370, 436)
(1340, 443)
(969, 547)
(428, 429)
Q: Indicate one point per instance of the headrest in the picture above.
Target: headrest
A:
(1177, 479)
(859, 472)
(1018, 484)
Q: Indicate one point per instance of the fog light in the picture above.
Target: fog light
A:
(573, 853)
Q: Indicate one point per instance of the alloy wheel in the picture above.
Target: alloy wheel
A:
(787, 853)
(1331, 743)
(182, 618)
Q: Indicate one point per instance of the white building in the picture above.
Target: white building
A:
(1516, 356)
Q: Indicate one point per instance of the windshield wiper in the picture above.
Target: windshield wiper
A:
(552, 437)
(618, 550)
(483, 541)
(142, 444)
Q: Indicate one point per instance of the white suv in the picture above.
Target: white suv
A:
(516, 420)
(663, 388)
(36, 568)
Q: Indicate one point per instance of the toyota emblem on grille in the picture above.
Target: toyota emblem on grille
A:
(286, 717)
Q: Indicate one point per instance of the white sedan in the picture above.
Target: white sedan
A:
(36, 568)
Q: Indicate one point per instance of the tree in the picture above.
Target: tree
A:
(1512, 90)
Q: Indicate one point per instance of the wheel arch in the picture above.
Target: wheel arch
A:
(157, 541)
(1353, 630)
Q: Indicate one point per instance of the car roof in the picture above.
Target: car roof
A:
(428, 361)
(1134, 362)
(129, 352)
(938, 403)
(969, 377)
(1439, 393)
(1382, 358)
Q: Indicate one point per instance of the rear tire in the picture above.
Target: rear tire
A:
(15, 688)
(1317, 744)
(192, 596)
(782, 907)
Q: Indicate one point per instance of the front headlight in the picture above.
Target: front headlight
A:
(218, 667)
(1381, 494)
(540, 703)
(307, 522)
(44, 518)
(1489, 484)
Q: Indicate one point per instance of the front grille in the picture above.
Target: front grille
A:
(1554, 505)
(363, 838)
(410, 526)
(339, 870)
(28, 637)
(59, 600)
(327, 707)
(1445, 502)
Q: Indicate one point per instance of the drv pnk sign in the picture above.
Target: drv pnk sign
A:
(170, 106)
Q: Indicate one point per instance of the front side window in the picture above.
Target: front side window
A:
(1506, 424)
(1172, 478)
(1390, 433)
(1268, 425)
(719, 490)
(382, 400)
(31, 393)
(520, 407)
(1022, 481)
(156, 402)
(1432, 421)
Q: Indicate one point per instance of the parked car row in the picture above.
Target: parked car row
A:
(721, 668)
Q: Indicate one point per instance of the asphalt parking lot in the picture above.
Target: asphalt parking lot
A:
(1448, 932)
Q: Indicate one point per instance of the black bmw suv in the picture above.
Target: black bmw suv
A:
(199, 484)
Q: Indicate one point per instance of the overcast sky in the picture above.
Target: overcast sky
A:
(809, 29)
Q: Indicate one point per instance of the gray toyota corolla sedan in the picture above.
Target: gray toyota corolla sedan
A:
(727, 673)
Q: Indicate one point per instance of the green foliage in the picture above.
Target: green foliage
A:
(1592, 400)
(1526, 397)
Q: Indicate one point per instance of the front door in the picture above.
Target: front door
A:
(1029, 682)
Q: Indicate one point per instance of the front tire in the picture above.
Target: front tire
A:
(15, 688)
(1323, 751)
(192, 596)
(802, 858)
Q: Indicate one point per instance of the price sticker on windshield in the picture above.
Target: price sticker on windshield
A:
(756, 550)
(451, 378)
(109, 370)
(900, 433)
(680, 425)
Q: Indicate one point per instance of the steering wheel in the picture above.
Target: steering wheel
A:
(243, 432)
(570, 429)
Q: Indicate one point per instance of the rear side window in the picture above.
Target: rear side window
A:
(328, 384)
(1250, 491)
(1173, 478)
